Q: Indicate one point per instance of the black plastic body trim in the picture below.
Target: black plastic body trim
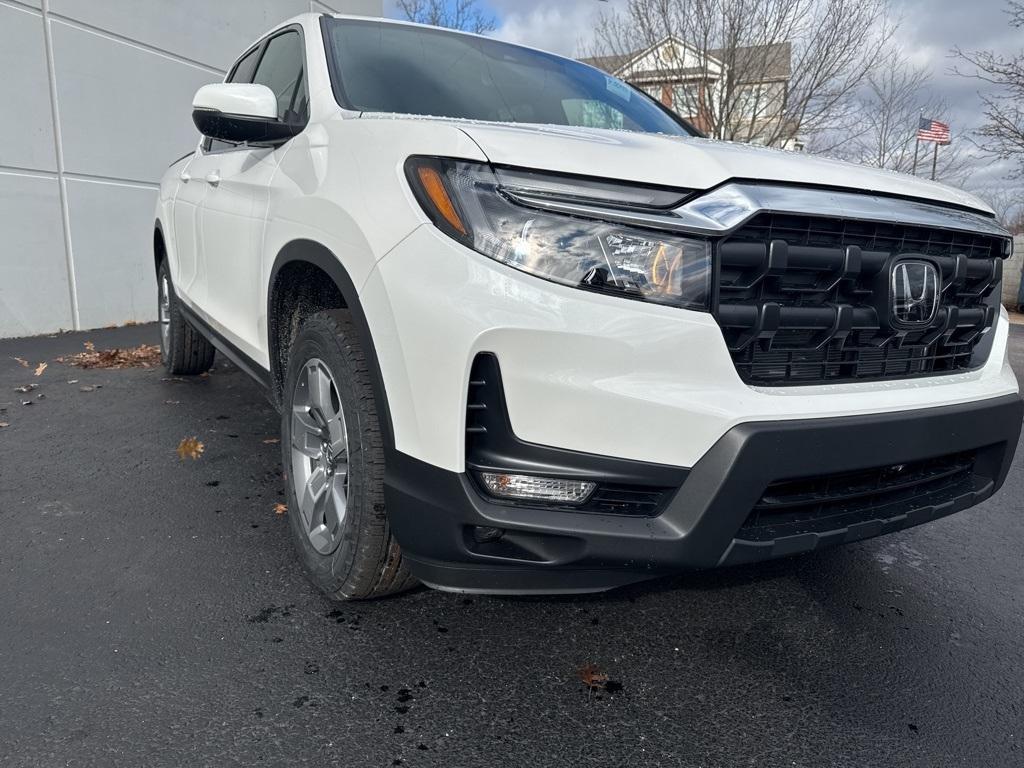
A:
(319, 256)
(225, 347)
(243, 130)
(432, 509)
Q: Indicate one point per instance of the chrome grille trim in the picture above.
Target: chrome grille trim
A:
(729, 207)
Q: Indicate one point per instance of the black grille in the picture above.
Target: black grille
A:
(799, 299)
(821, 504)
(635, 501)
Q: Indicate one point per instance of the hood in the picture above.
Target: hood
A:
(688, 162)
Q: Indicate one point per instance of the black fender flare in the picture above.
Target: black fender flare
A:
(320, 256)
(158, 229)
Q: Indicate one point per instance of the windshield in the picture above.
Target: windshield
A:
(394, 68)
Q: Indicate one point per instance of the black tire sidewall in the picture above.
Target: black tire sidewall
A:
(317, 339)
(187, 351)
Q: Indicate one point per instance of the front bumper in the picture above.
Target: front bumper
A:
(434, 512)
(587, 372)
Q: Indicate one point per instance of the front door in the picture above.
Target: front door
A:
(234, 209)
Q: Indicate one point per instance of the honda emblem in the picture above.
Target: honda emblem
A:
(915, 292)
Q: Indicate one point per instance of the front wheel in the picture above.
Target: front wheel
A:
(334, 458)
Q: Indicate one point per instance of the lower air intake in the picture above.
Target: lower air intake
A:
(832, 502)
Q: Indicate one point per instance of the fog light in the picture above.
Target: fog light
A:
(528, 488)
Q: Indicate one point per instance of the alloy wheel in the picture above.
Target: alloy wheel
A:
(165, 313)
(319, 456)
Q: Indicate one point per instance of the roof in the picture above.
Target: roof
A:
(610, 64)
(770, 62)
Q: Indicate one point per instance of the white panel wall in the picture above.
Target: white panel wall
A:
(34, 291)
(80, 158)
(118, 103)
(25, 96)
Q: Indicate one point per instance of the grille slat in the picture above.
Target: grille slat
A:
(797, 299)
(821, 504)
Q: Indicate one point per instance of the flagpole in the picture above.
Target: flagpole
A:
(935, 160)
(917, 139)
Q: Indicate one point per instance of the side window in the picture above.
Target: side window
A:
(282, 69)
(241, 73)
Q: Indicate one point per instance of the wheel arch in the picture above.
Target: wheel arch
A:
(159, 245)
(293, 292)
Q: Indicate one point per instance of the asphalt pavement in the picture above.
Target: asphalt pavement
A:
(152, 614)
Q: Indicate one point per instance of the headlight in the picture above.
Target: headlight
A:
(469, 203)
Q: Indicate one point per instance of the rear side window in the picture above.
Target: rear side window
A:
(282, 69)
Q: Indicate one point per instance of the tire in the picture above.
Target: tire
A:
(183, 350)
(333, 453)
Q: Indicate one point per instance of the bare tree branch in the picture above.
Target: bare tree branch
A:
(1001, 137)
(456, 14)
(1007, 202)
(764, 71)
(889, 107)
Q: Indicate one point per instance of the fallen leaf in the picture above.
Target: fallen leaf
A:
(190, 448)
(86, 388)
(24, 363)
(40, 368)
(280, 509)
(27, 402)
(73, 381)
(143, 356)
(271, 441)
(4, 424)
(26, 388)
(592, 677)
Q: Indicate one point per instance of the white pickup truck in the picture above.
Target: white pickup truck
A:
(529, 332)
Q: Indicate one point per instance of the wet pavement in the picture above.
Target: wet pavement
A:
(152, 614)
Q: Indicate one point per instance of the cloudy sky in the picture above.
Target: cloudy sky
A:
(929, 29)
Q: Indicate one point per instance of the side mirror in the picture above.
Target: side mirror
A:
(241, 113)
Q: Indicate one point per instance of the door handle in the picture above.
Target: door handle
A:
(185, 176)
(213, 178)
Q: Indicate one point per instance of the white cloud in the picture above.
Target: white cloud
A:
(560, 27)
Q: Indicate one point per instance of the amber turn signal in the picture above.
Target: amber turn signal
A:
(433, 185)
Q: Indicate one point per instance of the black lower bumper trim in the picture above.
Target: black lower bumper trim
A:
(433, 512)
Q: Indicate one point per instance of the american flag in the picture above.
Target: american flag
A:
(932, 130)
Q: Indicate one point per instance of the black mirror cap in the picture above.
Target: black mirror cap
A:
(243, 129)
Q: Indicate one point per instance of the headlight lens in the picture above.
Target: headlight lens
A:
(466, 201)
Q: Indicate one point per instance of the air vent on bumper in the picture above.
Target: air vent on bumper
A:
(623, 487)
